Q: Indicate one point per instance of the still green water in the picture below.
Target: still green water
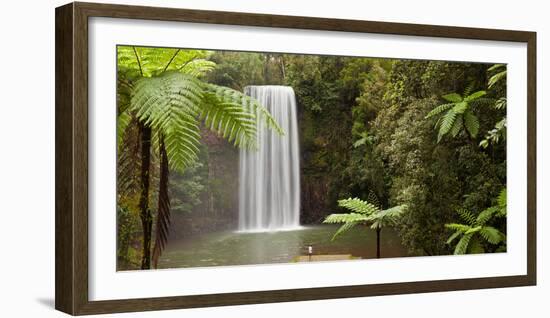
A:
(235, 248)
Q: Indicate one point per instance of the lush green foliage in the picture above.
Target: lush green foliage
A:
(458, 114)
(476, 233)
(366, 130)
(162, 90)
(363, 212)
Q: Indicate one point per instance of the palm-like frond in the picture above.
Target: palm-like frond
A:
(387, 217)
(439, 109)
(350, 220)
(471, 123)
(458, 114)
(457, 126)
(345, 218)
(491, 234)
(501, 74)
(364, 212)
(228, 95)
(486, 215)
(453, 98)
(477, 228)
(153, 61)
(358, 206)
(446, 124)
(474, 96)
(466, 216)
(462, 228)
(169, 100)
(475, 246)
(170, 105)
(462, 245)
(373, 198)
(453, 237)
(230, 120)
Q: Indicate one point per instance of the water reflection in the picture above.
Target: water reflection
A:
(237, 248)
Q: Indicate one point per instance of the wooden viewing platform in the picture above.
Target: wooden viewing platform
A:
(321, 258)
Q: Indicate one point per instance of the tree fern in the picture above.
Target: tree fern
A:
(170, 100)
(477, 228)
(364, 212)
(457, 115)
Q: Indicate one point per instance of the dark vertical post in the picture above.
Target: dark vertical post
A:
(145, 212)
(378, 230)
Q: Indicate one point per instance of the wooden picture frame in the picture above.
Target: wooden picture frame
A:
(71, 155)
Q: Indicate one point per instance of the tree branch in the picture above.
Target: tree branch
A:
(139, 63)
(170, 62)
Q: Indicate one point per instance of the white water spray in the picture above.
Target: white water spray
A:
(269, 177)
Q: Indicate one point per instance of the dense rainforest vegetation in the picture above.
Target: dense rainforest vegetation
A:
(425, 135)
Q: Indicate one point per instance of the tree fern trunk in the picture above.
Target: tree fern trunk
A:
(163, 211)
(378, 230)
(145, 212)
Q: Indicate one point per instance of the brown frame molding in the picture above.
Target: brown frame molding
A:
(71, 157)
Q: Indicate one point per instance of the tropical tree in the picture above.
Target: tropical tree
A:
(367, 213)
(476, 230)
(163, 94)
(458, 114)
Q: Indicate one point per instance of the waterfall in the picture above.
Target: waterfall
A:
(269, 177)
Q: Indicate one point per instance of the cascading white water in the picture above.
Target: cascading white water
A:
(269, 177)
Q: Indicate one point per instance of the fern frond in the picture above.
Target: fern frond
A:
(496, 78)
(387, 217)
(495, 67)
(475, 246)
(453, 237)
(457, 126)
(358, 206)
(460, 108)
(345, 218)
(228, 95)
(466, 216)
(373, 198)
(123, 120)
(446, 124)
(170, 104)
(486, 215)
(198, 67)
(469, 88)
(453, 97)
(491, 234)
(473, 230)
(501, 103)
(462, 245)
(392, 212)
(439, 109)
(230, 120)
(474, 96)
(344, 228)
(482, 101)
(471, 123)
(458, 227)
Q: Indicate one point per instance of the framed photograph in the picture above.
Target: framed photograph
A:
(210, 158)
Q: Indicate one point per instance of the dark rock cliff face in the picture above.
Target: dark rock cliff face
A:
(217, 206)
